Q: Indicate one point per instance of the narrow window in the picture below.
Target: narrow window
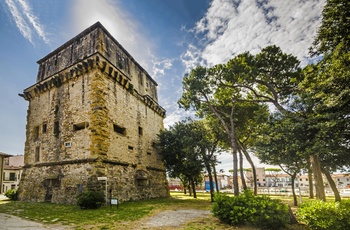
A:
(140, 131)
(80, 126)
(56, 128)
(148, 153)
(44, 128)
(119, 129)
(36, 133)
(37, 154)
(130, 147)
(140, 78)
(12, 176)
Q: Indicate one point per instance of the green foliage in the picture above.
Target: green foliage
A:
(325, 215)
(90, 199)
(260, 211)
(12, 194)
(183, 147)
(334, 29)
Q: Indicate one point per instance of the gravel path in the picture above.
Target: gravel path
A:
(175, 218)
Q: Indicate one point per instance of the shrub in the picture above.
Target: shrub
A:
(325, 215)
(259, 211)
(12, 194)
(90, 199)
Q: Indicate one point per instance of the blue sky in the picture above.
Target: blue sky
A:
(167, 37)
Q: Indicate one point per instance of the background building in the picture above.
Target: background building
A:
(93, 114)
(12, 172)
(3, 156)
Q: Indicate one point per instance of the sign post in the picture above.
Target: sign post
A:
(114, 201)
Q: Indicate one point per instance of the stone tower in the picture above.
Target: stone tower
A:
(93, 112)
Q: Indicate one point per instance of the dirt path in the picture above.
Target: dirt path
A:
(172, 219)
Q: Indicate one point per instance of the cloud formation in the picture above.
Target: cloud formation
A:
(118, 22)
(26, 21)
(232, 27)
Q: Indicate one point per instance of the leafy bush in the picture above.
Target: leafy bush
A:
(12, 194)
(90, 199)
(325, 215)
(260, 211)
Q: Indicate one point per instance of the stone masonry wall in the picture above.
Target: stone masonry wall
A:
(86, 119)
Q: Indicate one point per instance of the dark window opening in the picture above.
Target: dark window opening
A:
(148, 153)
(119, 129)
(130, 147)
(12, 176)
(140, 78)
(37, 154)
(56, 128)
(140, 131)
(36, 132)
(142, 182)
(44, 129)
(80, 126)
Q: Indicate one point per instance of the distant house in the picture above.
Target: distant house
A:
(342, 180)
(278, 180)
(13, 167)
(3, 156)
(260, 177)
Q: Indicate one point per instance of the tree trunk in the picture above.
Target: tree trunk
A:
(311, 184)
(210, 182)
(235, 174)
(230, 130)
(295, 199)
(332, 184)
(184, 184)
(249, 159)
(244, 185)
(292, 218)
(193, 188)
(316, 168)
(215, 178)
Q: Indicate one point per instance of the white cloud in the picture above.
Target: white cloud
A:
(34, 21)
(19, 20)
(25, 20)
(230, 28)
(160, 67)
(176, 114)
(118, 22)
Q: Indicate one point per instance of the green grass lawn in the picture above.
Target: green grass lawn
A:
(128, 214)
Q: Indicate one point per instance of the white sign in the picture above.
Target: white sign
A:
(114, 201)
(101, 178)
